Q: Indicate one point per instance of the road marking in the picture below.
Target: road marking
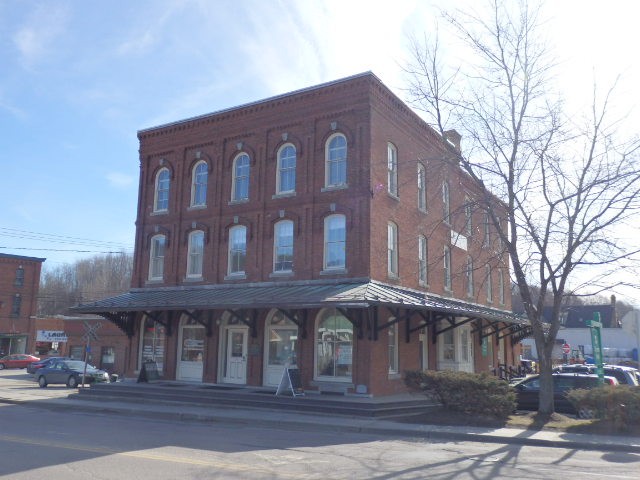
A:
(149, 456)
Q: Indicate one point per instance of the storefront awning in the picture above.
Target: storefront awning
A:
(301, 295)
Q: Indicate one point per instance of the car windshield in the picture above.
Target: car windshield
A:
(76, 364)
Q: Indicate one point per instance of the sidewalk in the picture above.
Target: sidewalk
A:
(59, 398)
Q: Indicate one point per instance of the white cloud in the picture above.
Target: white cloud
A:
(120, 180)
(36, 37)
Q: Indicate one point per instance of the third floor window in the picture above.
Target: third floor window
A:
(241, 170)
(336, 161)
(161, 200)
(286, 181)
(199, 185)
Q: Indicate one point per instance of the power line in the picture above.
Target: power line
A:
(55, 238)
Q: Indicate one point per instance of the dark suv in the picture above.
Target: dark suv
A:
(528, 390)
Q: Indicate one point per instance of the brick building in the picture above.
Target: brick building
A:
(329, 228)
(19, 284)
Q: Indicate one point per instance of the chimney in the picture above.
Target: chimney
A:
(453, 138)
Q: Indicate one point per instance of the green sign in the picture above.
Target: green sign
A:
(595, 326)
(485, 346)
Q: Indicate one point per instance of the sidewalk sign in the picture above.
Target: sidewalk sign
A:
(291, 381)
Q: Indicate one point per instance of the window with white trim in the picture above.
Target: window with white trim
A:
(422, 260)
(468, 216)
(199, 179)
(241, 170)
(469, 277)
(156, 257)
(446, 203)
(336, 161)
(161, 194)
(486, 240)
(286, 181)
(422, 188)
(393, 346)
(501, 287)
(392, 169)
(195, 254)
(237, 249)
(447, 268)
(283, 246)
(487, 270)
(334, 242)
(392, 249)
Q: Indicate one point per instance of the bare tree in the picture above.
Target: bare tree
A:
(568, 186)
(85, 280)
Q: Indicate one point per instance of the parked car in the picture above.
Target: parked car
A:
(45, 362)
(69, 372)
(528, 390)
(17, 360)
(624, 374)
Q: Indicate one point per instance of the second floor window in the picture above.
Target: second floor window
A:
(237, 249)
(469, 277)
(447, 268)
(486, 240)
(156, 260)
(195, 254)
(283, 246)
(501, 287)
(392, 249)
(446, 203)
(241, 168)
(422, 260)
(336, 161)
(488, 279)
(422, 188)
(468, 217)
(161, 200)
(334, 242)
(15, 307)
(199, 185)
(392, 169)
(19, 281)
(286, 181)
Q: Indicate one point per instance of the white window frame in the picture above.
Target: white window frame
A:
(392, 169)
(280, 246)
(392, 250)
(488, 280)
(468, 216)
(157, 251)
(158, 190)
(286, 169)
(330, 244)
(199, 179)
(393, 347)
(501, 287)
(422, 188)
(240, 179)
(446, 257)
(486, 240)
(469, 277)
(195, 254)
(446, 203)
(340, 162)
(422, 260)
(236, 252)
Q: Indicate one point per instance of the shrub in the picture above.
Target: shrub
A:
(619, 405)
(471, 393)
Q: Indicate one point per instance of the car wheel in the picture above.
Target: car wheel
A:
(42, 381)
(72, 382)
(586, 413)
(1, 366)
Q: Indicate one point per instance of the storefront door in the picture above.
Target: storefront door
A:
(281, 336)
(191, 351)
(236, 356)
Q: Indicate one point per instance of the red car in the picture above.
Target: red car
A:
(17, 360)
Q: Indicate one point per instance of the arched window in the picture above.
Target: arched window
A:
(422, 188)
(283, 246)
(422, 260)
(156, 254)
(334, 242)
(241, 169)
(392, 249)
(161, 198)
(237, 249)
(334, 346)
(19, 281)
(195, 254)
(336, 161)
(286, 181)
(392, 169)
(199, 185)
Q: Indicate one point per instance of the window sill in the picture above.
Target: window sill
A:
(393, 276)
(236, 276)
(330, 188)
(394, 376)
(196, 207)
(423, 284)
(159, 212)
(334, 271)
(393, 196)
(154, 281)
(422, 210)
(287, 274)
(238, 202)
(283, 195)
(194, 279)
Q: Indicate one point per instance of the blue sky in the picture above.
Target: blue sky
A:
(79, 78)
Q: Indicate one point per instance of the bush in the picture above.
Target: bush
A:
(470, 393)
(619, 405)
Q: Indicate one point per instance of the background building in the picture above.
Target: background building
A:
(329, 228)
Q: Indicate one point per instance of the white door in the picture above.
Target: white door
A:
(236, 361)
(191, 354)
